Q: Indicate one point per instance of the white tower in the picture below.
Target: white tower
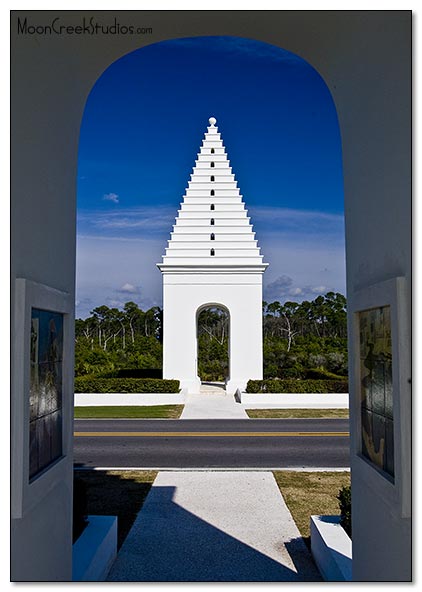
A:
(212, 259)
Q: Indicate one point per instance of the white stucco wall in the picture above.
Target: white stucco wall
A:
(129, 399)
(365, 59)
(184, 295)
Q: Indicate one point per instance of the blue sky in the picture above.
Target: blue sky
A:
(142, 129)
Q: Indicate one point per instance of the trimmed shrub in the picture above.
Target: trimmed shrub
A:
(86, 384)
(317, 360)
(297, 386)
(321, 373)
(337, 362)
(139, 373)
(345, 504)
(295, 371)
(255, 386)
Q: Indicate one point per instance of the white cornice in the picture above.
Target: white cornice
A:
(212, 269)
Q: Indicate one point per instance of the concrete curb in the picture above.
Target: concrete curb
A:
(295, 400)
(331, 548)
(129, 399)
(221, 469)
(247, 400)
(95, 550)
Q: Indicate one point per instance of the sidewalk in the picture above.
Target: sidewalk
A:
(212, 403)
(214, 526)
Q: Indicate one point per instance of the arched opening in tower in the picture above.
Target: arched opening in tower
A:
(213, 337)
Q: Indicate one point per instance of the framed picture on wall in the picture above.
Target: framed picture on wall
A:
(41, 372)
(382, 370)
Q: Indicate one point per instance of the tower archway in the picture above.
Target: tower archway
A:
(213, 343)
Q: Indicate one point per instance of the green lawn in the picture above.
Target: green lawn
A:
(311, 493)
(298, 413)
(129, 412)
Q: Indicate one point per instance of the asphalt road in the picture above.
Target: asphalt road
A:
(212, 443)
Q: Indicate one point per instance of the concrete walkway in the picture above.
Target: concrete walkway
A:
(212, 403)
(214, 526)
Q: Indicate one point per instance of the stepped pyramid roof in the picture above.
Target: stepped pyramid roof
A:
(212, 229)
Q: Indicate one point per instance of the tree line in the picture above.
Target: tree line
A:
(111, 339)
(297, 337)
(323, 317)
(307, 339)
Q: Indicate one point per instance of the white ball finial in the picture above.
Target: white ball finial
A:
(212, 120)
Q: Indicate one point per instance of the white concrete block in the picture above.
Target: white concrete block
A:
(128, 399)
(296, 400)
(95, 550)
(331, 548)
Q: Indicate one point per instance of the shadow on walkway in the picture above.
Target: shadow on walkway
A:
(170, 544)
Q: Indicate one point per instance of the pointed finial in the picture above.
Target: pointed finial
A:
(212, 121)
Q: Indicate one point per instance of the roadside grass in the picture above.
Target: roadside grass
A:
(129, 412)
(298, 413)
(116, 493)
(311, 493)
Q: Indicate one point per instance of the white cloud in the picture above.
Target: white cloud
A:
(303, 266)
(279, 287)
(303, 223)
(149, 220)
(282, 291)
(319, 289)
(112, 303)
(129, 288)
(111, 197)
(296, 291)
(112, 271)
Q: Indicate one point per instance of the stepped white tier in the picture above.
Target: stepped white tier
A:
(212, 259)
(212, 226)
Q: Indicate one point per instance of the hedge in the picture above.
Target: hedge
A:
(322, 374)
(291, 385)
(86, 384)
(345, 504)
(139, 373)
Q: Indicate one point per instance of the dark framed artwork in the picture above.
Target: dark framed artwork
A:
(43, 378)
(381, 369)
(376, 387)
(45, 392)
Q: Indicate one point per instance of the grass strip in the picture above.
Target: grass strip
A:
(310, 493)
(298, 413)
(129, 412)
(117, 493)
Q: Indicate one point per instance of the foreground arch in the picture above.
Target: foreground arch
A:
(365, 59)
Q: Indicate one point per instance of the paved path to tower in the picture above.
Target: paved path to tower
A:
(212, 403)
(214, 526)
